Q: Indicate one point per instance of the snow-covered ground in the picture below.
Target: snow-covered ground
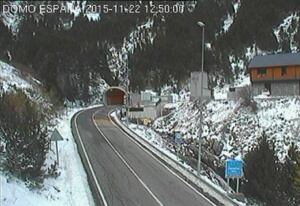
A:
(69, 188)
(235, 127)
(168, 149)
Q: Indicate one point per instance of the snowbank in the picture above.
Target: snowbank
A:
(70, 188)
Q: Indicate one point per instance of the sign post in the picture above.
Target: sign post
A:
(234, 169)
(56, 137)
(178, 141)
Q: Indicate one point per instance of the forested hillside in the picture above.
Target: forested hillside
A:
(252, 24)
(70, 52)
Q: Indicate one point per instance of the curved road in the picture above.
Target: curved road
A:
(121, 173)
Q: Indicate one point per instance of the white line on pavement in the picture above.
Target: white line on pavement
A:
(125, 162)
(184, 181)
(88, 161)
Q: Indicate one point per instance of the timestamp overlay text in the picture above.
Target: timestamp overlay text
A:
(113, 7)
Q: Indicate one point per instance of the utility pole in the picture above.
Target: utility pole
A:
(127, 95)
(202, 25)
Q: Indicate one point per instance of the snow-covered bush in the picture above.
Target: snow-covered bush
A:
(24, 132)
(245, 94)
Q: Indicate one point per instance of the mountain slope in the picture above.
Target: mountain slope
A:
(65, 186)
(167, 49)
(231, 130)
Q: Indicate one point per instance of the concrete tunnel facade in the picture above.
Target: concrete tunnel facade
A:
(114, 96)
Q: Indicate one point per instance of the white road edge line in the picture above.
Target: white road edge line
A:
(184, 181)
(125, 162)
(88, 160)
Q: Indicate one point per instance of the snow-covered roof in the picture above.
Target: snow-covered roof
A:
(275, 60)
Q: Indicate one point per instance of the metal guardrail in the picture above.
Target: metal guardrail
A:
(190, 177)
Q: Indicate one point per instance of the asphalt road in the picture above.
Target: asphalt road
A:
(122, 172)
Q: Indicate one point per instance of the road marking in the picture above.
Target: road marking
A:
(125, 162)
(184, 181)
(88, 160)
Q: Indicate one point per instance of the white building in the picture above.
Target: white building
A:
(148, 95)
(147, 105)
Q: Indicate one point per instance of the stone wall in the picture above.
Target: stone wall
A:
(258, 88)
(285, 88)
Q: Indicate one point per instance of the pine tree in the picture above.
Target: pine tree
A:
(261, 173)
(296, 184)
(25, 135)
(287, 174)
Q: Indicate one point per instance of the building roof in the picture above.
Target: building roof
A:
(288, 59)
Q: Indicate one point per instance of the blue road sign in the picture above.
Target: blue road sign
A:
(234, 168)
(178, 138)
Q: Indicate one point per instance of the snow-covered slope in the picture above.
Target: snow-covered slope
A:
(11, 78)
(230, 17)
(13, 19)
(118, 57)
(236, 128)
(71, 186)
(287, 31)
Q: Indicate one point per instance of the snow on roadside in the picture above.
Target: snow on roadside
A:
(69, 189)
(154, 139)
(71, 186)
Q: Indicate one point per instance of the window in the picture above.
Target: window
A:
(262, 71)
(283, 71)
(232, 89)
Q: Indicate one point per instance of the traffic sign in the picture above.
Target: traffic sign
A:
(56, 136)
(178, 138)
(234, 168)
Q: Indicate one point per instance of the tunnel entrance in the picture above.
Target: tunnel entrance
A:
(115, 96)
